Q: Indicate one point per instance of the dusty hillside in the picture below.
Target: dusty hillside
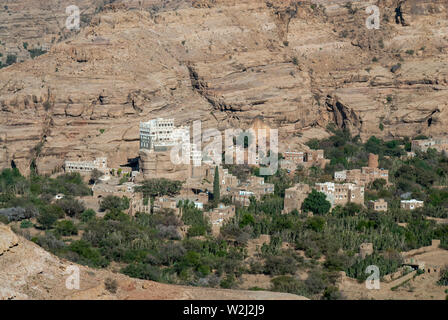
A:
(298, 65)
(29, 272)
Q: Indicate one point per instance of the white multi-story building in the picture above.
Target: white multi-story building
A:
(156, 132)
(162, 133)
(86, 166)
(341, 194)
(340, 175)
(411, 204)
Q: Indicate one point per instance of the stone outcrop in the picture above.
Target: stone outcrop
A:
(297, 65)
(159, 165)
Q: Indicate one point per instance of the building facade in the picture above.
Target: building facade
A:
(411, 204)
(377, 205)
(219, 216)
(242, 196)
(295, 196)
(87, 166)
(440, 144)
(161, 203)
(341, 194)
(305, 158)
(365, 175)
(161, 132)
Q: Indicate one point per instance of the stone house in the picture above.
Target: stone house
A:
(365, 175)
(305, 158)
(411, 204)
(377, 205)
(440, 144)
(87, 166)
(161, 203)
(219, 216)
(242, 196)
(365, 249)
(341, 194)
(295, 196)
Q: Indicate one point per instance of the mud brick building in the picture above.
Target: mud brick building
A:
(341, 194)
(377, 205)
(295, 196)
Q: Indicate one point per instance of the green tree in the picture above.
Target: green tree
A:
(66, 228)
(47, 218)
(87, 215)
(71, 206)
(316, 202)
(216, 187)
(11, 59)
(116, 215)
(114, 202)
(443, 281)
(159, 187)
(95, 176)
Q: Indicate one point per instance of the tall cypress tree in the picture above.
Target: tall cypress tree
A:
(216, 187)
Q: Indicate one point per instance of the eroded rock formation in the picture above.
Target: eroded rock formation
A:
(297, 64)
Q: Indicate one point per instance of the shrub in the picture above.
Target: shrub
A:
(386, 264)
(316, 202)
(25, 224)
(47, 218)
(111, 285)
(116, 215)
(443, 281)
(88, 215)
(95, 176)
(228, 282)
(66, 228)
(123, 180)
(159, 187)
(18, 213)
(199, 224)
(114, 202)
(49, 242)
(11, 59)
(71, 206)
(87, 254)
(280, 265)
(332, 293)
(288, 284)
(315, 282)
(4, 219)
(142, 271)
(395, 67)
(36, 52)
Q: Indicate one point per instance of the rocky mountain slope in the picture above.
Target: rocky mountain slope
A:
(30, 272)
(297, 64)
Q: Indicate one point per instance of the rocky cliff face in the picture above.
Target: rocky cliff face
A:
(299, 65)
(30, 272)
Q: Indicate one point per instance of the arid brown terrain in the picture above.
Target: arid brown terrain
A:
(297, 64)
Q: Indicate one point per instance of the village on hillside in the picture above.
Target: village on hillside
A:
(320, 216)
